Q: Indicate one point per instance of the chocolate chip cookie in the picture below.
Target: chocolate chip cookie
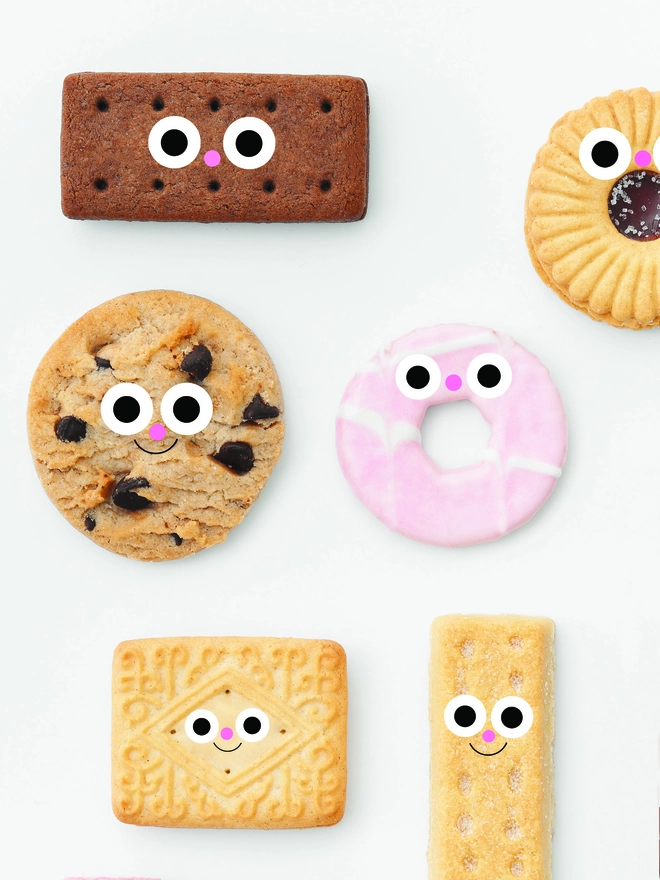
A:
(154, 422)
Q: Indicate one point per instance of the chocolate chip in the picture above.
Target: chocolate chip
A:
(102, 363)
(237, 456)
(124, 496)
(197, 362)
(178, 540)
(90, 523)
(257, 409)
(71, 429)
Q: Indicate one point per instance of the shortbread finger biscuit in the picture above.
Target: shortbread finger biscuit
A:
(214, 147)
(592, 221)
(492, 732)
(229, 732)
(154, 422)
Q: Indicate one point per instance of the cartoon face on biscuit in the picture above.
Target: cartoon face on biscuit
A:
(175, 142)
(606, 154)
(488, 375)
(251, 725)
(510, 718)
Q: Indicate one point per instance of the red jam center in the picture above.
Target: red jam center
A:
(634, 205)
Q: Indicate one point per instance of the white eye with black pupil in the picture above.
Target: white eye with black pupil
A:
(126, 409)
(252, 725)
(465, 715)
(174, 142)
(249, 142)
(418, 376)
(186, 408)
(605, 153)
(202, 726)
(512, 717)
(489, 375)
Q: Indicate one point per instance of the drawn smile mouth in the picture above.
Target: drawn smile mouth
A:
(228, 750)
(162, 452)
(488, 754)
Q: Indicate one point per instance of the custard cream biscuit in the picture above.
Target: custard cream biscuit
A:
(229, 732)
(592, 216)
(492, 733)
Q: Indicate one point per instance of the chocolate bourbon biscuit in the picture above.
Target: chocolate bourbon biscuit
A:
(229, 732)
(154, 422)
(214, 147)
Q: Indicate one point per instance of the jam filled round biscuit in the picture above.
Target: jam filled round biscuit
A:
(592, 218)
(154, 422)
(379, 439)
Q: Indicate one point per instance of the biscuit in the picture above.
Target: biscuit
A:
(229, 732)
(154, 422)
(214, 147)
(592, 213)
(492, 733)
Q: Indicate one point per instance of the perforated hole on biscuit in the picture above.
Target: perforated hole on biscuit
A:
(517, 868)
(512, 830)
(515, 779)
(516, 681)
(516, 642)
(214, 105)
(464, 824)
(326, 106)
(464, 783)
(158, 104)
(100, 184)
(467, 648)
(271, 106)
(470, 863)
(102, 105)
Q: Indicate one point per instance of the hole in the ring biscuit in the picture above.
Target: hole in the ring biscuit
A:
(455, 434)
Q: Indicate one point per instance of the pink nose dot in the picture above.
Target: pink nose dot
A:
(157, 432)
(226, 733)
(488, 736)
(212, 158)
(643, 158)
(453, 382)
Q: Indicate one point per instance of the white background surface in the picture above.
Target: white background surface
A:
(462, 96)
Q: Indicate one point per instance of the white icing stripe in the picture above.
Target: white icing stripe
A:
(488, 338)
(529, 464)
(365, 417)
(391, 435)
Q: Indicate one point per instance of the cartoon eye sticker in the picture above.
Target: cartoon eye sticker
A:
(201, 726)
(126, 409)
(249, 142)
(605, 153)
(489, 375)
(465, 715)
(252, 725)
(512, 717)
(186, 408)
(174, 142)
(418, 376)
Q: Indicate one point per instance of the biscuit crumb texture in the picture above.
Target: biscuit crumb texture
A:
(318, 172)
(573, 243)
(492, 817)
(295, 777)
(155, 506)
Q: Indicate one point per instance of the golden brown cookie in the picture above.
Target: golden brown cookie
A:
(592, 216)
(154, 423)
(229, 732)
(492, 733)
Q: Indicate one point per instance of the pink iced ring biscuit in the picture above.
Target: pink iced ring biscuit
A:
(379, 440)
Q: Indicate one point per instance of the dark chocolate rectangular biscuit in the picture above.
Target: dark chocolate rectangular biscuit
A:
(214, 147)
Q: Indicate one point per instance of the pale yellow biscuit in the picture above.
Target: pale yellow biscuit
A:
(575, 244)
(229, 732)
(492, 806)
